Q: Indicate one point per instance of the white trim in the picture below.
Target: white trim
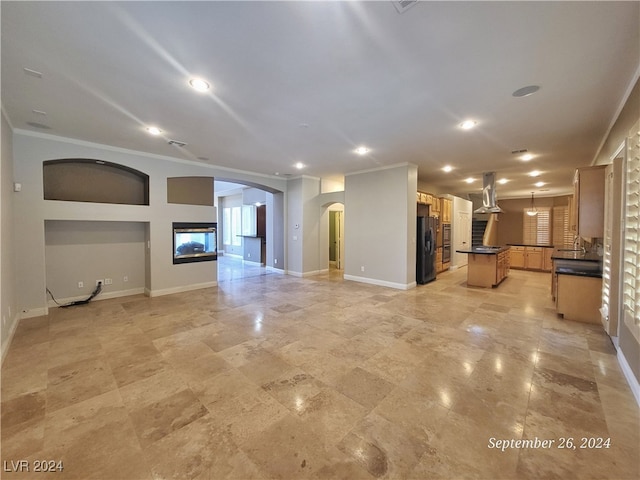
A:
(101, 296)
(6, 117)
(276, 270)
(378, 169)
(9, 339)
(34, 312)
(185, 288)
(631, 378)
(251, 263)
(294, 274)
(382, 283)
(312, 273)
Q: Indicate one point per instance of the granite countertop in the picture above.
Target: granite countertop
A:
(485, 250)
(575, 255)
(528, 245)
(579, 273)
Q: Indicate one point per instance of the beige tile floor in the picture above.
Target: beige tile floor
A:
(273, 376)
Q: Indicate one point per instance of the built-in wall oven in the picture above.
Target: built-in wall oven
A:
(446, 242)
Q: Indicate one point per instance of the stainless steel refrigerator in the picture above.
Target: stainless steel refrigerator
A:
(426, 252)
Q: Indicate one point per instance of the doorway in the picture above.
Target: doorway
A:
(336, 239)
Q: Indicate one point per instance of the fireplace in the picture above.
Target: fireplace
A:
(194, 242)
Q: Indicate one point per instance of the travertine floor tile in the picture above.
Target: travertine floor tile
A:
(273, 376)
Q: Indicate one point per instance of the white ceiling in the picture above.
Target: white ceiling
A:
(310, 81)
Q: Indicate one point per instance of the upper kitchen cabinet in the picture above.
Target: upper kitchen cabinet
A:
(445, 210)
(587, 205)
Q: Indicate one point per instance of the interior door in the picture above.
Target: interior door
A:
(462, 231)
(339, 240)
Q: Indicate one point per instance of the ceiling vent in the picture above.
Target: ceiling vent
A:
(403, 5)
(177, 143)
(489, 204)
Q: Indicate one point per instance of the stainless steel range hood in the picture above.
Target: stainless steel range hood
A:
(489, 204)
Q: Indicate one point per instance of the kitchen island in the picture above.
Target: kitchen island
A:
(487, 266)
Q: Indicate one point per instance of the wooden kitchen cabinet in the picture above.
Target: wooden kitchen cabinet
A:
(487, 270)
(445, 210)
(439, 265)
(531, 258)
(547, 264)
(518, 257)
(586, 215)
(579, 298)
(435, 206)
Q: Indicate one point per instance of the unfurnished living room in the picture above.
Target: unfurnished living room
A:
(320, 240)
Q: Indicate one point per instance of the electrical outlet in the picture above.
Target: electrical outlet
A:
(125, 279)
(275, 261)
(100, 281)
(108, 281)
(362, 268)
(80, 284)
(249, 255)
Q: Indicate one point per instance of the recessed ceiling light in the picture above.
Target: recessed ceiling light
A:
(154, 130)
(199, 85)
(502, 181)
(362, 150)
(468, 124)
(534, 173)
(447, 168)
(470, 180)
(299, 165)
(526, 91)
(540, 184)
(526, 157)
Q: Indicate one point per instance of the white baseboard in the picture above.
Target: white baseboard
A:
(250, 262)
(185, 288)
(101, 296)
(34, 312)
(629, 375)
(275, 270)
(381, 283)
(7, 341)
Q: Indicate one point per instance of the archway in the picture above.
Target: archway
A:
(332, 237)
(250, 229)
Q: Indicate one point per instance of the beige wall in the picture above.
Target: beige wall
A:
(510, 221)
(628, 116)
(8, 301)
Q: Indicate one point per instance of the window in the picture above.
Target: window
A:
(631, 292)
(226, 226)
(232, 226)
(562, 235)
(537, 228)
(236, 226)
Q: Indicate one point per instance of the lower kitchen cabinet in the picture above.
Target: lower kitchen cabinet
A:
(579, 298)
(531, 258)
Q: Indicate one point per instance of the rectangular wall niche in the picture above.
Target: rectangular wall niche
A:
(190, 190)
(194, 242)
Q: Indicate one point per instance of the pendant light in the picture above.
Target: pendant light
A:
(532, 211)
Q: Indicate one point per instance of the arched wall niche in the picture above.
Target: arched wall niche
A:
(97, 181)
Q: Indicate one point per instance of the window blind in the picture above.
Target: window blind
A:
(562, 235)
(631, 292)
(537, 229)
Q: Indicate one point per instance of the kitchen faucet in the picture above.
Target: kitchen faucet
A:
(576, 244)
